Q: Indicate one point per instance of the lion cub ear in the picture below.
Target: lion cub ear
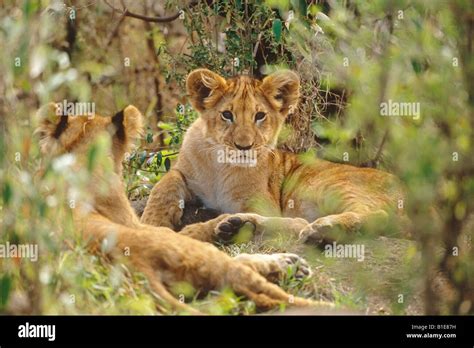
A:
(133, 122)
(282, 89)
(128, 123)
(205, 88)
(51, 123)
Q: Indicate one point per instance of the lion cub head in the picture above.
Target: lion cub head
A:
(242, 112)
(61, 134)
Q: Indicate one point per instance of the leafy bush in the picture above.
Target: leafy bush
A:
(352, 58)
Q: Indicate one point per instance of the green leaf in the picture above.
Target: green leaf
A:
(159, 159)
(276, 27)
(245, 234)
(142, 157)
(7, 193)
(300, 6)
(149, 138)
(91, 158)
(167, 164)
(166, 126)
(417, 66)
(42, 207)
(5, 287)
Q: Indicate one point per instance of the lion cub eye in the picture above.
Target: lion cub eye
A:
(227, 116)
(260, 116)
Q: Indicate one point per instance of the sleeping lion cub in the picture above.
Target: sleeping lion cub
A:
(230, 162)
(164, 256)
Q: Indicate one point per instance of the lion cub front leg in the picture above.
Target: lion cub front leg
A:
(204, 231)
(166, 202)
(339, 227)
(225, 228)
(228, 228)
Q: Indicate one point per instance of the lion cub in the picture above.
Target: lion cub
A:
(229, 160)
(164, 256)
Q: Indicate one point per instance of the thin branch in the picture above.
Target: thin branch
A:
(379, 151)
(254, 54)
(127, 13)
(115, 30)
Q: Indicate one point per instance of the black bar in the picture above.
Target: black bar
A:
(287, 330)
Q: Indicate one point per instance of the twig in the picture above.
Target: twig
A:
(147, 170)
(379, 151)
(257, 44)
(115, 30)
(127, 13)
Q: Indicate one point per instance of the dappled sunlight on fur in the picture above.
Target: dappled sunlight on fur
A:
(314, 198)
(164, 256)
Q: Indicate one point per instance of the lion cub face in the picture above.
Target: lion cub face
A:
(61, 134)
(243, 113)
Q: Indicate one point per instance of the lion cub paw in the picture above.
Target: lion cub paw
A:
(318, 232)
(299, 267)
(277, 266)
(229, 227)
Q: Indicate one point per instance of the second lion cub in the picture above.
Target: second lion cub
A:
(229, 161)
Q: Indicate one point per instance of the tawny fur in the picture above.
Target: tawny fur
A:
(322, 196)
(164, 256)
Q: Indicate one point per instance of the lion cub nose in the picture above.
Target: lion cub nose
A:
(243, 148)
